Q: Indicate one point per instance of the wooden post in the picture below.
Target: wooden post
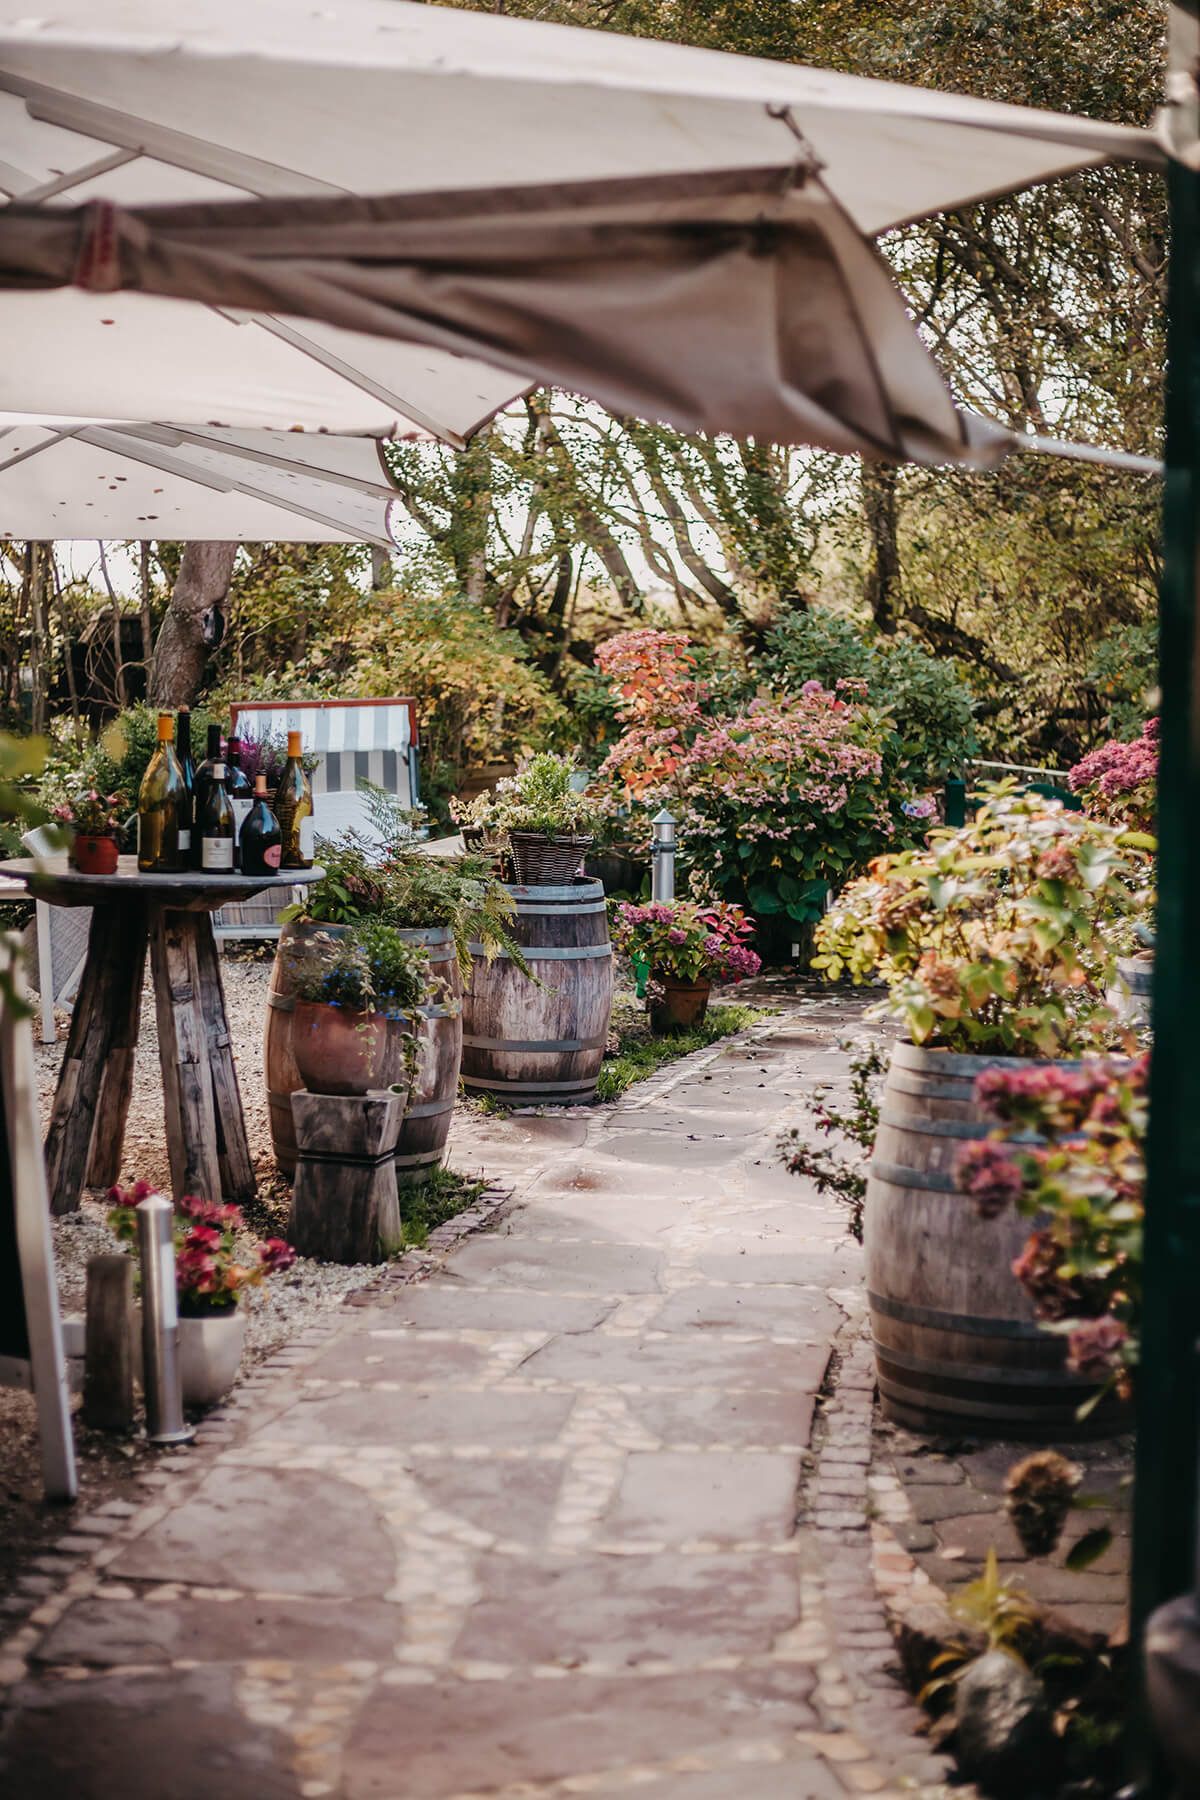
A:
(108, 1355)
(183, 1046)
(344, 1204)
(233, 1147)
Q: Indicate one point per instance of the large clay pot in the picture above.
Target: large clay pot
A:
(340, 1049)
(282, 1075)
(958, 1348)
(542, 1042)
(93, 855)
(683, 1005)
(210, 1354)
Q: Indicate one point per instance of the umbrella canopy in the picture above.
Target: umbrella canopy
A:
(76, 480)
(701, 260)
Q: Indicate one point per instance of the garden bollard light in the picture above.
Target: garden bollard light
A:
(663, 854)
(160, 1324)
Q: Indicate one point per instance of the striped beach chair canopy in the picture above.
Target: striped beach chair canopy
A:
(356, 740)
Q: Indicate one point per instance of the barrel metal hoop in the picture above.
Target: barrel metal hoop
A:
(574, 895)
(429, 1109)
(529, 1087)
(557, 912)
(951, 1062)
(970, 1374)
(1057, 1420)
(952, 1128)
(970, 1323)
(420, 1159)
(428, 934)
(534, 953)
(898, 1176)
(526, 1046)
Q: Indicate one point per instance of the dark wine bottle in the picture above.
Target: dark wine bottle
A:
(215, 826)
(294, 810)
(204, 771)
(241, 796)
(189, 841)
(162, 801)
(261, 839)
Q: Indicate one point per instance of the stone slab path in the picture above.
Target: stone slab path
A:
(529, 1529)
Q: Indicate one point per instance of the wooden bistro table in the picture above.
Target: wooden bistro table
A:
(206, 1131)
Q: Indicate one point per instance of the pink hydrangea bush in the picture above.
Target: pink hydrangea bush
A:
(685, 940)
(211, 1270)
(1119, 781)
(1072, 1148)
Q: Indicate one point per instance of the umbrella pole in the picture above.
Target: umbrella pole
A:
(1168, 1382)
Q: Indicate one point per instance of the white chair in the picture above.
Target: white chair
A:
(62, 941)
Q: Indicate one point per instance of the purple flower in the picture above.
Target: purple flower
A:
(675, 936)
(1094, 1347)
(986, 1173)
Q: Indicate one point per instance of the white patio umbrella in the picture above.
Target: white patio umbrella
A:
(702, 257)
(77, 479)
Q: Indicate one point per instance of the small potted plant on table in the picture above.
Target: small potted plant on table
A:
(548, 821)
(684, 948)
(93, 820)
(212, 1272)
(354, 1026)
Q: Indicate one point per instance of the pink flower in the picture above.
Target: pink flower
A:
(275, 1255)
(1094, 1347)
(987, 1174)
(203, 1237)
(676, 937)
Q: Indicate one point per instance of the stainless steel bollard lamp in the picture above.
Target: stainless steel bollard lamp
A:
(160, 1324)
(662, 878)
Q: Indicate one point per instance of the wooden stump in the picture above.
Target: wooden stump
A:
(344, 1203)
(109, 1343)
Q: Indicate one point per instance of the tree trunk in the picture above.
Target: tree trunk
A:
(117, 633)
(883, 570)
(147, 622)
(37, 558)
(381, 569)
(181, 654)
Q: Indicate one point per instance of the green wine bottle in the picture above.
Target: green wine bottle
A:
(294, 809)
(164, 809)
(216, 826)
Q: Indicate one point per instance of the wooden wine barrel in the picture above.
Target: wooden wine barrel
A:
(425, 1127)
(426, 1124)
(526, 1043)
(957, 1346)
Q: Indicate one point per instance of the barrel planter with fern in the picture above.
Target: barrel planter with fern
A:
(422, 1141)
(542, 1041)
(957, 1345)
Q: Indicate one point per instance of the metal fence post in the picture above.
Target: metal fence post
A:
(160, 1324)
(663, 854)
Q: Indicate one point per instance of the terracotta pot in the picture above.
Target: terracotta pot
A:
(684, 1003)
(93, 855)
(338, 1049)
(210, 1354)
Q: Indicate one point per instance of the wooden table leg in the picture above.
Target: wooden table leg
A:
(183, 1046)
(233, 1148)
(109, 997)
(108, 1138)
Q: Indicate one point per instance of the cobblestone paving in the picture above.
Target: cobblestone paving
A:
(527, 1530)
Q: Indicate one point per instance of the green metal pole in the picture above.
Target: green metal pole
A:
(1168, 1398)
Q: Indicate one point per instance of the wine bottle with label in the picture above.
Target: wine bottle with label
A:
(204, 770)
(215, 826)
(294, 810)
(241, 796)
(162, 802)
(189, 841)
(260, 839)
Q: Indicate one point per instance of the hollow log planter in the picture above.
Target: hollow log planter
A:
(344, 1203)
(542, 1041)
(426, 1125)
(957, 1345)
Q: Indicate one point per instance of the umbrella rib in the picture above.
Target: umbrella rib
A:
(46, 190)
(289, 335)
(47, 443)
(185, 434)
(161, 142)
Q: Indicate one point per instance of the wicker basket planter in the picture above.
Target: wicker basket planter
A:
(543, 861)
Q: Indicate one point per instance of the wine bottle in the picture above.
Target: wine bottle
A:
(162, 803)
(294, 810)
(241, 796)
(260, 839)
(189, 842)
(205, 769)
(215, 826)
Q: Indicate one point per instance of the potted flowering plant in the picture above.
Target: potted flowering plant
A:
(1119, 783)
(354, 1026)
(1070, 1153)
(995, 943)
(212, 1272)
(94, 823)
(684, 948)
(548, 821)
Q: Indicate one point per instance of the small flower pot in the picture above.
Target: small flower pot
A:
(93, 855)
(683, 1005)
(339, 1049)
(210, 1354)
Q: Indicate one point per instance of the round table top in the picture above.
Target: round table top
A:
(52, 878)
